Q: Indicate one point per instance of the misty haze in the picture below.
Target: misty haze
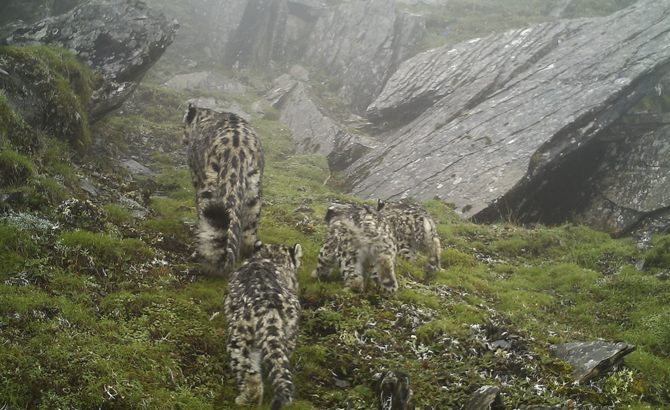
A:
(473, 198)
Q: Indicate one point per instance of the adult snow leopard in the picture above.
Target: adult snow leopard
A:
(262, 312)
(226, 161)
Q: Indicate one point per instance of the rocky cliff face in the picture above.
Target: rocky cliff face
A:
(259, 38)
(361, 43)
(261, 33)
(497, 119)
(314, 128)
(220, 18)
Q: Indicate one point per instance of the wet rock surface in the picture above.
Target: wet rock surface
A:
(496, 119)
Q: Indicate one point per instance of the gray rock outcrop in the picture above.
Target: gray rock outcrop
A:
(592, 359)
(630, 189)
(361, 43)
(314, 129)
(496, 119)
(118, 39)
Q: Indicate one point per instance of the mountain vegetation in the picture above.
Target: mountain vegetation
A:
(103, 306)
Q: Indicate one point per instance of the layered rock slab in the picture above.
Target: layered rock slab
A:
(495, 117)
(314, 128)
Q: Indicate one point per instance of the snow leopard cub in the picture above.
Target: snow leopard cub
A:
(226, 161)
(357, 236)
(414, 229)
(262, 312)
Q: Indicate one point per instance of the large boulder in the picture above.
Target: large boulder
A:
(497, 119)
(314, 128)
(120, 40)
(361, 43)
(629, 191)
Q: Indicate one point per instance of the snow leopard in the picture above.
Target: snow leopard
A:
(413, 228)
(262, 312)
(357, 236)
(226, 160)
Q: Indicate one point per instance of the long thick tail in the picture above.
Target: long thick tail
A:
(219, 236)
(276, 352)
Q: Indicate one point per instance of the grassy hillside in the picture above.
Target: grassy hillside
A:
(101, 305)
(100, 308)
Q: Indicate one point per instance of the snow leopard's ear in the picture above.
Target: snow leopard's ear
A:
(380, 204)
(296, 253)
(190, 114)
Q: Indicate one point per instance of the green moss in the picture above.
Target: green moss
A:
(453, 257)
(442, 212)
(12, 242)
(107, 248)
(118, 215)
(658, 257)
(173, 216)
(49, 190)
(14, 132)
(66, 88)
(415, 298)
(178, 183)
(15, 169)
(433, 330)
